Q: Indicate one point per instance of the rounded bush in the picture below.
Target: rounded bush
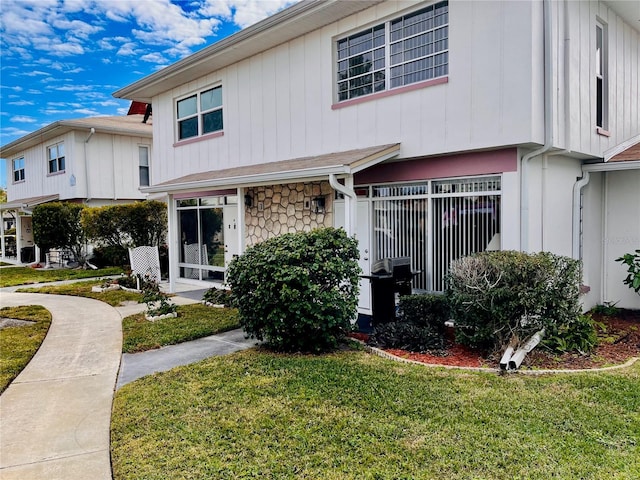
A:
(495, 296)
(297, 292)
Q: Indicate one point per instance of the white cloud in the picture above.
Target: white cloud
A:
(154, 57)
(35, 73)
(13, 132)
(23, 119)
(21, 103)
(89, 112)
(244, 12)
(127, 49)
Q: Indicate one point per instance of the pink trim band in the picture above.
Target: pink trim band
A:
(198, 139)
(388, 93)
(426, 168)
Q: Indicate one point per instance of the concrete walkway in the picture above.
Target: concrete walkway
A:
(56, 414)
(137, 365)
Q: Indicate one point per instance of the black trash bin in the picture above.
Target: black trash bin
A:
(27, 254)
(390, 279)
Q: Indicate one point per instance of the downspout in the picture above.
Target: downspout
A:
(350, 200)
(86, 163)
(577, 191)
(548, 130)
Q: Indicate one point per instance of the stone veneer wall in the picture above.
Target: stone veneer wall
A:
(278, 209)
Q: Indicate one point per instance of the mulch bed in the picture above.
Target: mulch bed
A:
(619, 342)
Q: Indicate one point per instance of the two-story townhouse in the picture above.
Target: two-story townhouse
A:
(96, 161)
(430, 129)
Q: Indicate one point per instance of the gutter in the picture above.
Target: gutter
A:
(548, 133)
(350, 203)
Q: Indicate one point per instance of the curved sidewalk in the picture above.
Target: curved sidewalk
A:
(56, 413)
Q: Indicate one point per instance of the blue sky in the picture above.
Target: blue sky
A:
(62, 59)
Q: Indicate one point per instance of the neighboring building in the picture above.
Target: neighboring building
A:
(96, 161)
(427, 129)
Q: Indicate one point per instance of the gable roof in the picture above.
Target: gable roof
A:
(286, 25)
(296, 169)
(130, 125)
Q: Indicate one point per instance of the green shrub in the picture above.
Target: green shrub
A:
(430, 310)
(297, 292)
(497, 295)
(420, 325)
(632, 261)
(158, 303)
(217, 296)
(579, 335)
(407, 336)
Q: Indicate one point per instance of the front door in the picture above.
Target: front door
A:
(231, 240)
(362, 234)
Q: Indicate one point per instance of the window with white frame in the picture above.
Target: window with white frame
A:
(405, 50)
(55, 155)
(601, 76)
(143, 160)
(200, 113)
(18, 169)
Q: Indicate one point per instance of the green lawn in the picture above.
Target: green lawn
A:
(19, 344)
(83, 289)
(25, 275)
(193, 321)
(351, 415)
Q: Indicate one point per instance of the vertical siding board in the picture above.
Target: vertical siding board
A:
(328, 80)
(258, 124)
(283, 102)
(268, 87)
(313, 75)
(298, 98)
(245, 115)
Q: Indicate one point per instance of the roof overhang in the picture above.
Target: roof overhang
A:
(26, 203)
(128, 125)
(293, 170)
(286, 25)
(611, 166)
(616, 153)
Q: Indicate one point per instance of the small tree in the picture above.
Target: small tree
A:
(57, 225)
(115, 228)
(298, 292)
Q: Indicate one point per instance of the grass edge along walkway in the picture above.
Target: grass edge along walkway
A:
(18, 344)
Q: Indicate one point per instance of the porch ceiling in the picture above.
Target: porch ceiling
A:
(28, 202)
(338, 163)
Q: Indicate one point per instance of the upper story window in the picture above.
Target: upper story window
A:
(405, 50)
(18, 169)
(143, 162)
(200, 113)
(55, 154)
(601, 76)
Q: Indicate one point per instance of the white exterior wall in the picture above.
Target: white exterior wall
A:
(277, 105)
(623, 66)
(622, 233)
(112, 168)
(611, 209)
(112, 163)
(37, 181)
